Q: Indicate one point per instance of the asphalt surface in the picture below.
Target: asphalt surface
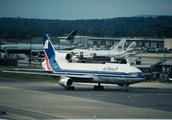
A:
(43, 100)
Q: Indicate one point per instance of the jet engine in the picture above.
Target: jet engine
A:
(64, 57)
(67, 83)
(69, 56)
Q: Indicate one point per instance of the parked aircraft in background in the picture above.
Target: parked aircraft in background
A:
(101, 53)
(70, 39)
(67, 73)
(37, 49)
(117, 52)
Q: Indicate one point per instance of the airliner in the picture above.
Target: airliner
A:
(66, 44)
(70, 39)
(117, 52)
(67, 73)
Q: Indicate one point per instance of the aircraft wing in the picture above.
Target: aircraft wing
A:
(47, 74)
(25, 69)
(29, 73)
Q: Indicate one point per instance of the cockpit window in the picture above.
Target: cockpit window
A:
(137, 73)
(134, 73)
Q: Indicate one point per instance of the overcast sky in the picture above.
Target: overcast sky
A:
(83, 9)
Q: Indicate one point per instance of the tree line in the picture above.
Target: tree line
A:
(23, 28)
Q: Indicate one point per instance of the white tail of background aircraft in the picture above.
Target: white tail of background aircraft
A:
(119, 46)
(128, 52)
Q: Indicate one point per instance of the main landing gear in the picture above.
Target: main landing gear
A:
(70, 88)
(125, 88)
(99, 87)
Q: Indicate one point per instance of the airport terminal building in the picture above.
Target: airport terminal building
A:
(140, 42)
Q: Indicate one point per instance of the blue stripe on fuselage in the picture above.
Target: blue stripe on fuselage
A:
(98, 73)
(140, 76)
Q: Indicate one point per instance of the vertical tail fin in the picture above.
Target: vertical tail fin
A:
(131, 47)
(120, 45)
(49, 54)
(69, 40)
(71, 36)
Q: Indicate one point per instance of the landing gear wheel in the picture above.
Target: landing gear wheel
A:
(125, 88)
(99, 87)
(70, 88)
(102, 87)
(95, 87)
(73, 88)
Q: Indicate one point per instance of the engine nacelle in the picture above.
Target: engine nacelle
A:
(63, 57)
(66, 82)
(69, 56)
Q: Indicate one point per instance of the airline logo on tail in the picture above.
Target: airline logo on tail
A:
(49, 54)
(46, 44)
(132, 46)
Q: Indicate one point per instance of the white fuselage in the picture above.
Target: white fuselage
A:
(25, 48)
(104, 73)
(107, 53)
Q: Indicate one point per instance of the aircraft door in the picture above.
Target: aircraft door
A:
(96, 77)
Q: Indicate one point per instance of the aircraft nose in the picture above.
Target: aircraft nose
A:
(142, 77)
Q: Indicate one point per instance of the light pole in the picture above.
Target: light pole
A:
(30, 47)
(58, 39)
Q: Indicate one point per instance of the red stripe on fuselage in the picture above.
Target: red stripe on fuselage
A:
(47, 61)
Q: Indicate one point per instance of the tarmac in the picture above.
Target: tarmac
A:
(44, 100)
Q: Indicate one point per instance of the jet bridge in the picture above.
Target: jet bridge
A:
(158, 71)
(161, 61)
(157, 67)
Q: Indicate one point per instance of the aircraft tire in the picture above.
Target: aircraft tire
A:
(70, 88)
(73, 87)
(98, 87)
(95, 87)
(125, 90)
